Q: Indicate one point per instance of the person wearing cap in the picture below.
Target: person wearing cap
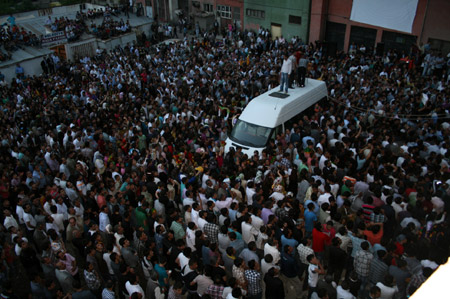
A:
(224, 188)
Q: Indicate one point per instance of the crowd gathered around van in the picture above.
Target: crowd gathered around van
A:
(115, 182)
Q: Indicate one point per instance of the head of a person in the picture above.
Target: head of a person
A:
(375, 292)
(365, 245)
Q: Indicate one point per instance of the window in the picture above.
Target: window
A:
(208, 7)
(224, 11)
(255, 13)
(295, 19)
(236, 13)
(400, 39)
(250, 134)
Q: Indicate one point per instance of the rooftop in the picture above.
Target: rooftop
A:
(33, 21)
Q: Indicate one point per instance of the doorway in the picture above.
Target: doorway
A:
(60, 51)
(275, 29)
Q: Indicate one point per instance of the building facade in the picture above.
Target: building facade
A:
(287, 18)
(159, 10)
(330, 21)
(225, 11)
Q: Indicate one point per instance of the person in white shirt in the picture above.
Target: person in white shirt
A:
(271, 248)
(107, 259)
(147, 265)
(429, 264)
(223, 203)
(249, 192)
(205, 178)
(19, 211)
(79, 209)
(118, 235)
(201, 220)
(133, 286)
(103, 218)
(387, 288)
(346, 241)
(64, 169)
(267, 263)
(257, 222)
(248, 231)
(188, 201)
(58, 219)
(262, 238)
(71, 192)
(343, 291)
(190, 235)
(325, 197)
(286, 70)
(224, 240)
(182, 259)
(277, 195)
(195, 213)
(62, 208)
(48, 204)
(314, 270)
(203, 282)
(9, 220)
(29, 220)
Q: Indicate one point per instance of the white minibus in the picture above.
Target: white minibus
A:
(267, 114)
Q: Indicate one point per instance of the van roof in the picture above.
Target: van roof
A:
(269, 111)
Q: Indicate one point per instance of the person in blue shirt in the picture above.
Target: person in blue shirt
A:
(11, 20)
(163, 276)
(289, 266)
(313, 200)
(286, 239)
(237, 244)
(310, 218)
(19, 71)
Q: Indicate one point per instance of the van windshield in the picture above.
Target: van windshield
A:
(250, 134)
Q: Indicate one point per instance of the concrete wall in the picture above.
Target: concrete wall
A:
(278, 12)
(88, 47)
(59, 10)
(437, 21)
(32, 67)
(431, 20)
(122, 40)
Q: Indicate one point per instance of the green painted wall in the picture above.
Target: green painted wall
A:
(278, 11)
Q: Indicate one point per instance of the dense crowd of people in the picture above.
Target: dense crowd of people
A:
(115, 184)
(13, 37)
(72, 28)
(110, 28)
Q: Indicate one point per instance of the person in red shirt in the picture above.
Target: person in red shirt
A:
(329, 230)
(319, 240)
(401, 239)
(374, 233)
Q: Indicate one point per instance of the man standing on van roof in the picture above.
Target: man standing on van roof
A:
(286, 70)
(302, 65)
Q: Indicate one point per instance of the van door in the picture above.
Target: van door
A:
(276, 131)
